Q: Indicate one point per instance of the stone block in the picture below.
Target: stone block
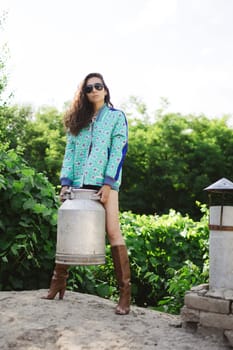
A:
(189, 315)
(221, 321)
(201, 289)
(210, 331)
(194, 301)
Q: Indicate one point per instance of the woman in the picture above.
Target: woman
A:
(95, 151)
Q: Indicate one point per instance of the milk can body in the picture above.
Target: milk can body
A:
(81, 229)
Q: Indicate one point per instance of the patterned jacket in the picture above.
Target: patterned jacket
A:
(96, 155)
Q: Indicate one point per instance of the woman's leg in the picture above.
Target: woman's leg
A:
(119, 253)
(112, 220)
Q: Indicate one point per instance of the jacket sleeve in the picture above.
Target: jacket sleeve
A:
(67, 170)
(118, 149)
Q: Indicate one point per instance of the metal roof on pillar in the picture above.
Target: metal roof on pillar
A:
(221, 185)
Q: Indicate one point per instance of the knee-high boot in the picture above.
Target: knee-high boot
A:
(58, 282)
(122, 271)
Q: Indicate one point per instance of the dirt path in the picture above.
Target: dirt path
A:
(86, 322)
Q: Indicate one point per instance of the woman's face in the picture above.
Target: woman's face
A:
(95, 91)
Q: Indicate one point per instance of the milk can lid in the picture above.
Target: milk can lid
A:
(221, 185)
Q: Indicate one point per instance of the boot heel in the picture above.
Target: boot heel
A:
(58, 282)
(62, 293)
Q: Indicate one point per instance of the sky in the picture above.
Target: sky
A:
(180, 50)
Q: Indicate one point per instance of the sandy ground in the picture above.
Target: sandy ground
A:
(86, 322)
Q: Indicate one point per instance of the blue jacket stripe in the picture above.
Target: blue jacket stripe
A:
(124, 151)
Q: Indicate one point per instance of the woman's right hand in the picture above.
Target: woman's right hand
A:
(62, 192)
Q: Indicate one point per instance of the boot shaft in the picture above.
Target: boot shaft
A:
(122, 270)
(121, 264)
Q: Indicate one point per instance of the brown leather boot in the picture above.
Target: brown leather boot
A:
(122, 270)
(58, 282)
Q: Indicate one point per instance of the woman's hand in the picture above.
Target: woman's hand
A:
(104, 193)
(62, 192)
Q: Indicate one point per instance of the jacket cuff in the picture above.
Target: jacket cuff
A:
(109, 181)
(65, 181)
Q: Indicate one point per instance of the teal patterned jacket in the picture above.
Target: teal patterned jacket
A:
(96, 155)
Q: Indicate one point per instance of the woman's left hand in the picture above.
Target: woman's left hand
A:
(104, 193)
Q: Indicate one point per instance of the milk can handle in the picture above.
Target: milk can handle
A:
(69, 194)
(95, 197)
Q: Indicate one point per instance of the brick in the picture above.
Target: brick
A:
(211, 319)
(211, 331)
(194, 301)
(189, 315)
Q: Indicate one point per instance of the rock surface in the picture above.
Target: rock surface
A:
(87, 322)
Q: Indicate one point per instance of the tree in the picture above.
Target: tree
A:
(14, 120)
(172, 159)
(28, 205)
(45, 142)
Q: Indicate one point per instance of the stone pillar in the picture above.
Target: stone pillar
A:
(221, 247)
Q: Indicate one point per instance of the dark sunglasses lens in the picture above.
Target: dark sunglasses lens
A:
(99, 86)
(88, 89)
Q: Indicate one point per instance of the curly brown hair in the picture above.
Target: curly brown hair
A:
(81, 111)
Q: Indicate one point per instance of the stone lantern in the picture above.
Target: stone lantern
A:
(208, 308)
(221, 234)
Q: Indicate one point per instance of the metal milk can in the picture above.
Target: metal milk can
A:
(81, 229)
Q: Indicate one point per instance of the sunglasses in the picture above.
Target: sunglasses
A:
(89, 88)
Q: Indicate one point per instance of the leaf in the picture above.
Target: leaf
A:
(14, 249)
(19, 236)
(29, 204)
(28, 172)
(17, 186)
(41, 209)
(4, 245)
(24, 224)
(103, 290)
(2, 182)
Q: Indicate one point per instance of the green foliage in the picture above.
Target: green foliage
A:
(28, 213)
(181, 281)
(44, 142)
(13, 121)
(158, 244)
(39, 137)
(172, 159)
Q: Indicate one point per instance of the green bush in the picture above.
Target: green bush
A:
(28, 216)
(181, 281)
(158, 247)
